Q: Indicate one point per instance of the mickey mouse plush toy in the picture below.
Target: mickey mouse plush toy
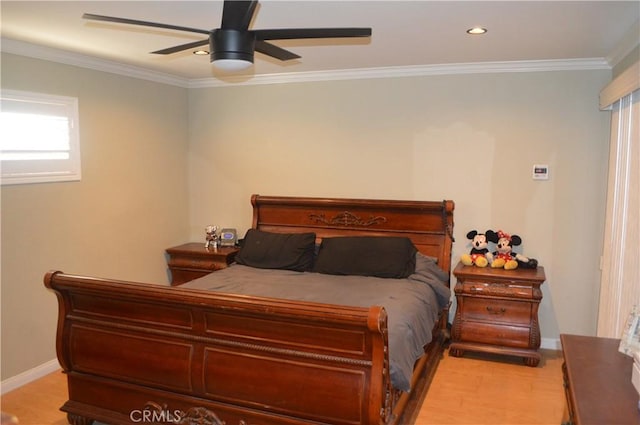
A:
(480, 254)
(504, 257)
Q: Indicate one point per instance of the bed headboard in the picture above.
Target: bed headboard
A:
(428, 224)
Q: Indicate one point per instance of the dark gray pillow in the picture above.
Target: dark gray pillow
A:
(266, 250)
(389, 257)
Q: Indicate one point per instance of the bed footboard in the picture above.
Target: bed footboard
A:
(136, 353)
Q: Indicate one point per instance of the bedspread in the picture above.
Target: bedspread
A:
(412, 304)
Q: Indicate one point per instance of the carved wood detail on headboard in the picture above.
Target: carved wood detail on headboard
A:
(347, 219)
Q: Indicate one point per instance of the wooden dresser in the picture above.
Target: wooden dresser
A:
(597, 380)
(497, 311)
(192, 260)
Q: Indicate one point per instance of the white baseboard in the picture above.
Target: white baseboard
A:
(550, 344)
(30, 375)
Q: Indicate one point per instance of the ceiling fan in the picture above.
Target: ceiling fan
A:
(232, 46)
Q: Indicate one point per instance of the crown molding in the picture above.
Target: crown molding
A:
(84, 61)
(409, 71)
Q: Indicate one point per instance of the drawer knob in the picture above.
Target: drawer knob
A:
(492, 310)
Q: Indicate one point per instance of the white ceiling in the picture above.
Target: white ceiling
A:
(404, 33)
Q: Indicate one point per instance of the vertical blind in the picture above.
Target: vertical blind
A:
(620, 279)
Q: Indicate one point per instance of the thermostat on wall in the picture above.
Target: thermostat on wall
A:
(541, 172)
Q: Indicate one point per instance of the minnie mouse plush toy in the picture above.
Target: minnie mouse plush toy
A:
(504, 257)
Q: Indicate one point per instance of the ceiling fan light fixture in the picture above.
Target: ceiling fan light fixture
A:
(231, 50)
(231, 65)
(200, 52)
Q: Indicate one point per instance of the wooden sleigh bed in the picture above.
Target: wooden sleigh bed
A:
(145, 353)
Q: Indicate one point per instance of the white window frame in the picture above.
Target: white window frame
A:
(43, 170)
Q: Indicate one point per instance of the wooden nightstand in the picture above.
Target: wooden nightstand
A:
(192, 260)
(497, 311)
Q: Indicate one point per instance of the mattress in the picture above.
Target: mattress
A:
(412, 304)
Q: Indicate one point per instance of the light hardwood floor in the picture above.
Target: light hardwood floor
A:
(475, 389)
(492, 390)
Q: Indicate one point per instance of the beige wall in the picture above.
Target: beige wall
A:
(161, 162)
(130, 205)
(470, 138)
(632, 57)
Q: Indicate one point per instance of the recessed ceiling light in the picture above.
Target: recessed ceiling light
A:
(476, 30)
(201, 52)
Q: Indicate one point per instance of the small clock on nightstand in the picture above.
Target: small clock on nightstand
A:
(192, 260)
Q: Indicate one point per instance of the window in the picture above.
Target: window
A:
(39, 139)
(619, 289)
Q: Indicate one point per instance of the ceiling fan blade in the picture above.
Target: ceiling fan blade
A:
(236, 15)
(181, 47)
(274, 51)
(93, 17)
(294, 33)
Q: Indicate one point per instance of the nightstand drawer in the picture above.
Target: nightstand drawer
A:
(487, 333)
(497, 289)
(196, 263)
(180, 276)
(497, 311)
